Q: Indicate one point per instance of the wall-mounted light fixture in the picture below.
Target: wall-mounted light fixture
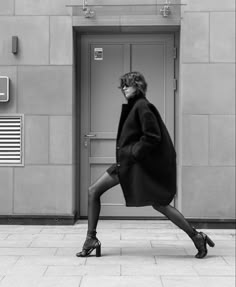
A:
(14, 47)
(165, 10)
(88, 12)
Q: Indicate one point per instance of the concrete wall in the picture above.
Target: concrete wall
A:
(208, 108)
(41, 89)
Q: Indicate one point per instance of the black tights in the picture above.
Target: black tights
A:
(107, 181)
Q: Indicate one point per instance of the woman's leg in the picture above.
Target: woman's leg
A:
(103, 183)
(199, 239)
(176, 217)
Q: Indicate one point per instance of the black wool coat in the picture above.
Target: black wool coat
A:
(146, 158)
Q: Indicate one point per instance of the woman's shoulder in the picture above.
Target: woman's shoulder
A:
(144, 103)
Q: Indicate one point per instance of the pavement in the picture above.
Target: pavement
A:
(137, 253)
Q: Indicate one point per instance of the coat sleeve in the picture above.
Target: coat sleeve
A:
(151, 133)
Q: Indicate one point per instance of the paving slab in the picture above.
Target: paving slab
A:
(134, 253)
(32, 281)
(121, 281)
(93, 270)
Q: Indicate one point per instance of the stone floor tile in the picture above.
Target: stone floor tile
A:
(118, 281)
(157, 270)
(110, 224)
(215, 270)
(24, 270)
(6, 261)
(20, 230)
(126, 243)
(50, 261)
(101, 235)
(32, 281)
(216, 251)
(56, 243)
(31, 237)
(225, 244)
(216, 281)
(163, 250)
(172, 243)
(146, 225)
(183, 260)
(229, 259)
(225, 281)
(72, 251)
(92, 270)
(3, 236)
(117, 259)
(169, 251)
(21, 243)
(60, 230)
(219, 231)
(73, 281)
(27, 251)
(150, 253)
(182, 281)
(147, 236)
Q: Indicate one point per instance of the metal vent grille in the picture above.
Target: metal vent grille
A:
(11, 140)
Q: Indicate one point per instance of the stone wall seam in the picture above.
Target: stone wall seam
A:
(49, 42)
(13, 189)
(16, 99)
(209, 138)
(48, 117)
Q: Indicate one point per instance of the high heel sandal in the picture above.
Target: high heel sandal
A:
(201, 240)
(90, 244)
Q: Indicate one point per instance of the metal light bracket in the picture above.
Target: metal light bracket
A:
(165, 11)
(88, 12)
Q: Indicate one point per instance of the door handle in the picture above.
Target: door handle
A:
(86, 137)
(89, 136)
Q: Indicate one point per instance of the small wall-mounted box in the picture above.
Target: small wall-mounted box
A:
(4, 89)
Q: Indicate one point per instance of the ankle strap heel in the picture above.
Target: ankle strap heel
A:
(98, 250)
(209, 241)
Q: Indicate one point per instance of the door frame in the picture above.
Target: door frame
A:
(94, 30)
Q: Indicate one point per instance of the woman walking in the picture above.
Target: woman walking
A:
(145, 166)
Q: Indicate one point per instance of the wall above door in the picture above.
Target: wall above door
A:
(125, 13)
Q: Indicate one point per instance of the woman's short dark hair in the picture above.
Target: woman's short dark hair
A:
(134, 79)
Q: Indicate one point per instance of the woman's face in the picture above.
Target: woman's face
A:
(129, 92)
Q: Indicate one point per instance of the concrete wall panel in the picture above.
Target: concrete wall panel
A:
(6, 190)
(9, 107)
(209, 192)
(33, 35)
(195, 31)
(41, 7)
(209, 5)
(61, 140)
(36, 140)
(43, 190)
(6, 7)
(45, 90)
(195, 140)
(209, 89)
(222, 37)
(61, 52)
(222, 140)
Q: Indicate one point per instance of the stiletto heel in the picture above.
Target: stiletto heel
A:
(98, 251)
(201, 240)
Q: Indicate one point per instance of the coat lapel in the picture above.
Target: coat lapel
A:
(124, 114)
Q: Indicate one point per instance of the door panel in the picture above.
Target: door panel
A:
(101, 102)
(104, 92)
